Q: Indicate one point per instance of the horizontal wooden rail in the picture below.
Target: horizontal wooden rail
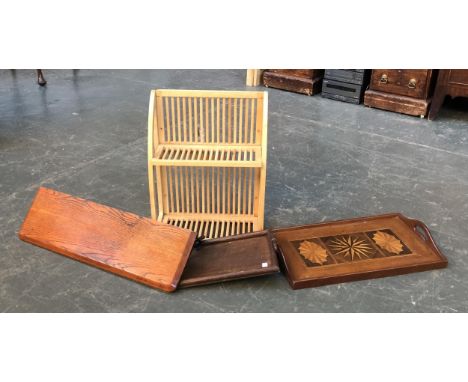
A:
(208, 93)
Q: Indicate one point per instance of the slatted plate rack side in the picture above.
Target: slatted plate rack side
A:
(207, 159)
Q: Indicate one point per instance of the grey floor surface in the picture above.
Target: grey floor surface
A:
(85, 134)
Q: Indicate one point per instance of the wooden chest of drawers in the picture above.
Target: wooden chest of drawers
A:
(452, 82)
(405, 91)
(305, 81)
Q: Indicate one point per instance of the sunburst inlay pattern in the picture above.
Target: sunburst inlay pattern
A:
(351, 247)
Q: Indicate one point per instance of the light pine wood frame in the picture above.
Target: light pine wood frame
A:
(253, 77)
(207, 153)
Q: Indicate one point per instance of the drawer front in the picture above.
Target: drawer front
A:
(406, 82)
(459, 76)
(350, 76)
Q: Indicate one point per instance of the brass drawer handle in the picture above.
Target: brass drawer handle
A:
(412, 83)
(384, 79)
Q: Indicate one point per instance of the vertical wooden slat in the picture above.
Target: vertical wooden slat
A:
(184, 119)
(164, 190)
(168, 126)
(152, 144)
(246, 121)
(217, 121)
(212, 138)
(234, 178)
(223, 120)
(171, 192)
(158, 131)
(202, 128)
(252, 119)
(239, 193)
(233, 228)
(192, 193)
(187, 192)
(190, 119)
(179, 124)
(249, 195)
(196, 122)
(174, 139)
(207, 121)
(244, 190)
(208, 191)
(235, 123)
(229, 121)
(213, 198)
(229, 190)
(192, 225)
(202, 179)
(223, 205)
(206, 228)
(212, 225)
(241, 118)
(218, 211)
(255, 190)
(259, 122)
(216, 230)
(197, 189)
(262, 180)
(177, 185)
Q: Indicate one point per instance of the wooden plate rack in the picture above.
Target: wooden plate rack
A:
(207, 154)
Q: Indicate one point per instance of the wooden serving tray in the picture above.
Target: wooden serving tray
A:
(231, 258)
(356, 249)
(128, 245)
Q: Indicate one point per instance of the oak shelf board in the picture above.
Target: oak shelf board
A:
(116, 241)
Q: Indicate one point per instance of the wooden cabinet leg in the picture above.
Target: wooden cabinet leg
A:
(437, 101)
(40, 77)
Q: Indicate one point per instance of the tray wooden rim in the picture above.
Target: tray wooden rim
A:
(298, 282)
(233, 276)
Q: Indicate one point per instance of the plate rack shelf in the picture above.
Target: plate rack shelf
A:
(207, 154)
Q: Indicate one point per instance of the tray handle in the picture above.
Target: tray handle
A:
(423, 232)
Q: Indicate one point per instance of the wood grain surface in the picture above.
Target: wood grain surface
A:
(231, 258)
(356, 249)
(120, 242)
(305, 81)
(397, 103)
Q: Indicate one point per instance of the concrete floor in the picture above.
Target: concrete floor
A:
(85, 134)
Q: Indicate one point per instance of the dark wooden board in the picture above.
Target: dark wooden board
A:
(356, 249)
(120, 242)
(293, 83)
(231, 258)
(397, 103)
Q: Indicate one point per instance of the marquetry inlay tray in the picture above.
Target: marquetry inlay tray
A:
(356, 249)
